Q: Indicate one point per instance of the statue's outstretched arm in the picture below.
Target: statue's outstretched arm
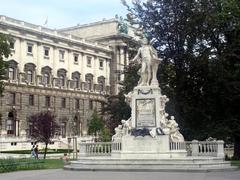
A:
(137, 55)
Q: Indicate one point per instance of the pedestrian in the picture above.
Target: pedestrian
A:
(33, 155)
(36, 151)
(65, 159)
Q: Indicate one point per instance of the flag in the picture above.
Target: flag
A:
(46, 21)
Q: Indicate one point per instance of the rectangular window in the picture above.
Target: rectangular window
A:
(77, 104)
(46, 52)
(89, 61)
(91, 104)
(29, 48)
(61, 55)
(31, 100)
(47, 101)
(63, 102)
(12, 98)
(101, 64)
(75, 58)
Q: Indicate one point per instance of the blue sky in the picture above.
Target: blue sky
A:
(61, 13)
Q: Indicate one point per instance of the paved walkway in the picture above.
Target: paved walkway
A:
(59, 174)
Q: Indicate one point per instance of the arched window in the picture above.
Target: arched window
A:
(101, 83)
(76, 79)
(11, 73)
(12, 69)
(46, 75)
(10, 123)
(62, 80)
(89, 81)
(46, 78)
(61, 73)
(89, 84)
(29, 76)
(29, 69)
(76, 82)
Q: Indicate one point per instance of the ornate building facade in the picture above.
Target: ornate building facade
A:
(66, 71)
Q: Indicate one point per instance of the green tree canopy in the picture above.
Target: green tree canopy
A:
(96, 124)
(199, 42)
(43, 127)
(4, 53)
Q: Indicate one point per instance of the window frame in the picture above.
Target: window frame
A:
(76, 58)
(31, 100)
(11, 74)
(77, 103)
(47, 101)
(89, 61)
(63, 102)
(46, 49)
(30, 51)
(61, 55)
(101, 62)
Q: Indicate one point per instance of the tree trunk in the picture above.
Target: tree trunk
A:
(237, 147)
(45, 151)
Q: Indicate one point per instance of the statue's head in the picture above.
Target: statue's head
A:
(145, 41)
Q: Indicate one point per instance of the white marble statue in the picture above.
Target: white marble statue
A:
(147, 55)
(174, 133)
(118, 133)
(122, 129)
(126, 124)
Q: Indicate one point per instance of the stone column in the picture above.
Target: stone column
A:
(195, 148)
(220, 148)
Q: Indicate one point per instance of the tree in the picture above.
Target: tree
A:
(43, 127)
(199, 42)
(96, 124)
(115, 109)
(4, 53)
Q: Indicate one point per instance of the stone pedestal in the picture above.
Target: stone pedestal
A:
(144, 147)
(148, 107)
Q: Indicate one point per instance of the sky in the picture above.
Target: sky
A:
(61, 13)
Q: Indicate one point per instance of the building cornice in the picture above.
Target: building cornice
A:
(52, 34)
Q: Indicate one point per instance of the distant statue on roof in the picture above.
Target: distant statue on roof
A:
(149, 60)
(122, 26)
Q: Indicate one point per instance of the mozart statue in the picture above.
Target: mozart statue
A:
(147, 55)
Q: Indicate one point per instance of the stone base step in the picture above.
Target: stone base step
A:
(187, 164)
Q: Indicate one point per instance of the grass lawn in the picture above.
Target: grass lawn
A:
(236, 163)
(50, 151)
(53, 163)
(9, 165)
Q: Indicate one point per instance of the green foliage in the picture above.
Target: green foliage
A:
(235, 163)
(115, 109)
(8, 165)
(96, 124)
(4, 53)
(131, 78)
(50, 151)
(106, 135)
(43, 127)
(53, 163)
(199, 42)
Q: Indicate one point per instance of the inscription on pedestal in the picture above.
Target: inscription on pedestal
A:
(145, 113)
